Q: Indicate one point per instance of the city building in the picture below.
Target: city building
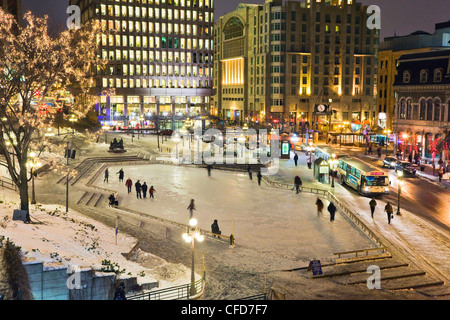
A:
(290, 64)
(422, 108)
(160, 56)
(14, 7)
(390, 51)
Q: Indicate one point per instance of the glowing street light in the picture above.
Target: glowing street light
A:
(73, 119)
(333, 162)
(176, 139)
(32, 164)
(193, 233)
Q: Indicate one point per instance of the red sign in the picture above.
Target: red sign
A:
(376, 173)
(276, 121)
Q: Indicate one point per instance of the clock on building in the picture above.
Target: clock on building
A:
(321, 108)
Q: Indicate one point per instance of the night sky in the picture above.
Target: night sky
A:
(397, 16)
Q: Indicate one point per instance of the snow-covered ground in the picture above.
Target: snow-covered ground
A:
(60, 239)
(273, 221)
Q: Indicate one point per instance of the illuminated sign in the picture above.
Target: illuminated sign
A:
(376, 173)
(285, 148)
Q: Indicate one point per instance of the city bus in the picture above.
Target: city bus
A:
(365, 179)
(325, 152)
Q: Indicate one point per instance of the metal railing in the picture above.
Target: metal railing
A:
(7, 183)
(262, 296)
(174, 293)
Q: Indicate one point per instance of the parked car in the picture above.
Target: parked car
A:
(390, 162)
(406, 167)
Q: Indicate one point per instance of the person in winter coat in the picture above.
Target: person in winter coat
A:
(129, 184)
(120, 173)
(106, 176)
(389, 210)
(372, 205)
(331, 210)
(297, 183)
(138, 187)
(209, 167)
(151, 192)
(259, 177)
(215, 228)
(250, 175)
(319, 205)
(295, 159)
(191, 208)
(144, 188)
(113, 200)
(120, 292)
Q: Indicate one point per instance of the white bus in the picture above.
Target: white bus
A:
(365, 179)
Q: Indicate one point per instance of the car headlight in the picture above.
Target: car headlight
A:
(386, 189)
(366, 189)
(392, 164)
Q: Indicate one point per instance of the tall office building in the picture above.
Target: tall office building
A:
(296, 63)
(391, 49)
(14, 7)
(160, 56)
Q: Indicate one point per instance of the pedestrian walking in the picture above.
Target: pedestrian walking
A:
(144, 189)
(106, 176)
(372, 205)
(129, 184)
(319, 205)
(379, 152)
(191, 208)
(151, 192)
(297, 183)
(332, 211)
(389, 210)
(209, 167)
(259, 177)
(295, 159)
(250, 174)
(441, 173)
(138, 187)
(120, 173)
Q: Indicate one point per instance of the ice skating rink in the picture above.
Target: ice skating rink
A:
(270, 220)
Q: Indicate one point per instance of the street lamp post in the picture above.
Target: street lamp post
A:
(176, 139)
(73, 119)
(400, 176)
(33, 164)
(333, 161)
(105, 130)
(387, 132)
(193, 232)
(405, 137)
(310, 149)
